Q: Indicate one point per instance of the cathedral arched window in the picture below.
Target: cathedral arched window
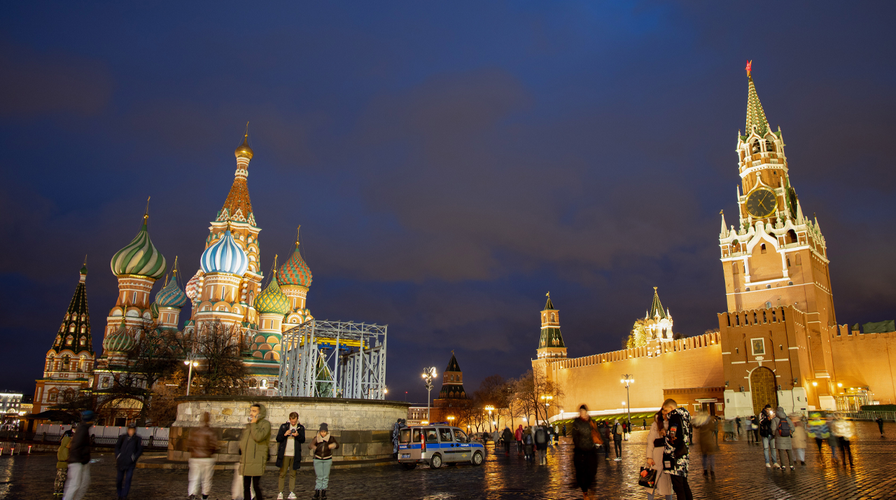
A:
(755, 148)
(755, 318)
(790, 237)
(253, 383)
(735, 268)
(769, 146)
(553, 317)
(71, 328)
(798, 261)
(764, 317)
(53, 395)
(762, 248)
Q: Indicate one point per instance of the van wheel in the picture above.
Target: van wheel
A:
(477, 458)
(409, 465)
(435, 462)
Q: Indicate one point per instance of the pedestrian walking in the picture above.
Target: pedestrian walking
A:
(518, 435)
(254, 450)
(541, 444)
(584, 438)
(128, 449)
(604, 429)
(799, 438)
(78, 476)
(323, 445)
(754, 428)
(748, 426)
(768, 437)
(818, 429)
(507, 436)
(675, 453)
(880, 425)
(844, 430)
(618, 433)
(656, 443)
(833, 441)
(783, 429)
(738, 427)
(202, 445)
(528, 443)
(708, 445)
(62, 463)
(289, 438)
(644, 425)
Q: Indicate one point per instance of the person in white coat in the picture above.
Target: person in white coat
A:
(655, 445)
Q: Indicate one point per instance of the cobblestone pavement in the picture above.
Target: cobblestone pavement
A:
(740, 474)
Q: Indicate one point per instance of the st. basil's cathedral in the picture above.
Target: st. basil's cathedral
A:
(225, 295)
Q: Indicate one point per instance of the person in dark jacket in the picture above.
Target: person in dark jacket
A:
(604, 430)
(675, 453)
(289, 453)
(507, 436)
(618, 434)
(127, 450)
(880, 425)
(584, 453)
(542, 438)
(322, 445)
(78, 479)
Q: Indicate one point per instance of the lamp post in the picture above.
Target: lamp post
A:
(628, 380)
(451, 420)
(547, 402)
(428, 374)
(490, 409)
(191, 364)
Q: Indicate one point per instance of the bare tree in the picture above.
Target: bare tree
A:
(530, 392)
(218, 348)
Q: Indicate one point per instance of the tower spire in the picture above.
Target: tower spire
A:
(145, 212)
(756, 120)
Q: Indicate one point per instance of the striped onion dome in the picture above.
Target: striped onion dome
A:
(171, 295)
(120, 340)
(225, 256)
(294, 271)
(140, 257)
(192, 288)
(272, 299)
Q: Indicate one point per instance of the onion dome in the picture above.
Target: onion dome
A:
(192, 288)
(225, 256)
(171, 295)
(294, 271)
(244, 151)
(272, 300)
(140, 257)
(120, 340)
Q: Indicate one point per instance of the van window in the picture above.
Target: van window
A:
(417, 435)
(404, 436)
(445, 435)
(431, 436)
(461, 436)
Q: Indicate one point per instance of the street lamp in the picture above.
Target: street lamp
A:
(490, 409)
(547, 402)
(451, 420)
(628, 380)
(191, 364)
(428, 374)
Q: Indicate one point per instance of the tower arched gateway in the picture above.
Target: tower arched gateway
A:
(763, 389)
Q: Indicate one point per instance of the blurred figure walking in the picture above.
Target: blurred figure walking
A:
(584, 439)
(128, 449)
(708, 445)
(783, 429)
(202, 445)
(62, 463)
(799, 439)
(78, 479)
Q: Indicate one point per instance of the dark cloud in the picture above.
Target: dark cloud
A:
(448, 166)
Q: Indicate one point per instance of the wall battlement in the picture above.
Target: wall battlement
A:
(696, 342)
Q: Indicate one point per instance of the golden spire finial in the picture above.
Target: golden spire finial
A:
(750, 68)
(85, 259)
(654, 289)
(247, 130)
(298, 230)
(548, 295)
(244, 150)
(146, 213)
(174, 267)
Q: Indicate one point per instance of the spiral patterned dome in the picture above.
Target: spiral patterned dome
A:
(171, 295)
(295, 271)
(192, 288)
(140, 257)
(120, 340)
(225, 256)
(272, 299)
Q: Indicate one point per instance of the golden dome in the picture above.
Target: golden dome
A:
(244, 150)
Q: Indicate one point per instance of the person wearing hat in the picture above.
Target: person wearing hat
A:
(128, 449)
(78, 479)
(323, 445)
(254, 450)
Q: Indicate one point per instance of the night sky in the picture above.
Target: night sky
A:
(449, 163)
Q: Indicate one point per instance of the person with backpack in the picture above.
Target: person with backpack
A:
(768, 437)
(783, 429)
(618, 433)
(541, 444)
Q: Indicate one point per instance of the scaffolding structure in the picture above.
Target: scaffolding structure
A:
(334, 359)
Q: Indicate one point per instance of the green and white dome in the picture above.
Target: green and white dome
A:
(140, 257)
(272, 299)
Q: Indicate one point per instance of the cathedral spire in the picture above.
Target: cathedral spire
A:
(238, 207)
(756, 120)
(74, 334)
(656, 307)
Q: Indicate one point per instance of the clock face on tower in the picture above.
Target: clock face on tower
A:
(761, 203)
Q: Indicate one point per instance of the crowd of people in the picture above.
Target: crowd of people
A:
(73, 458)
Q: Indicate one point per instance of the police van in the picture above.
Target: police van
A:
(436, 445)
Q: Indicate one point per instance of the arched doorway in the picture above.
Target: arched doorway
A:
(763, 388)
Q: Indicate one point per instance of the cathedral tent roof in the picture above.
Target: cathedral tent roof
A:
(238, 207)
(452, 365)
(549, 305)
(77, 318)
